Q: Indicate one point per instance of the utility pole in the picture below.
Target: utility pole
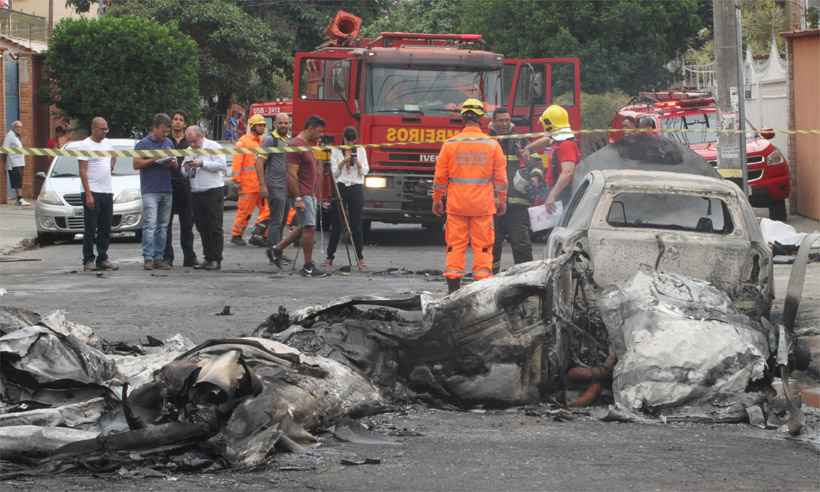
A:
(731, 96)
(50, 17)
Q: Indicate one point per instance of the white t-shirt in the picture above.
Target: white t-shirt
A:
(13, 160)
(349, 175)
(99, 168)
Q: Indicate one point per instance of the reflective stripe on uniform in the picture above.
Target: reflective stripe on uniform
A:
(248, 169)
(478, 181)
(439, 186)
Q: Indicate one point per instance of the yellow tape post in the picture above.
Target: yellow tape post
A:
(231, 150)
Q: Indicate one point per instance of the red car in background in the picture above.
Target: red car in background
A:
(767, 167)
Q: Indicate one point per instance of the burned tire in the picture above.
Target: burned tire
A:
(778, 211)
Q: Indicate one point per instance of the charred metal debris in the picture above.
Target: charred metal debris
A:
(541, 336)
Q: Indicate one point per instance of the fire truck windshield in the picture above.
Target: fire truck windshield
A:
(701, 127)
(429, 90)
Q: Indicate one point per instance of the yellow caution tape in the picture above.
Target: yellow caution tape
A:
(230, 150)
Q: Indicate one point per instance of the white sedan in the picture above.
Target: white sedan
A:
(58, 211)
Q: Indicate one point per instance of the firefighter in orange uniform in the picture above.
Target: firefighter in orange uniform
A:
(472, 175)
(243, 171)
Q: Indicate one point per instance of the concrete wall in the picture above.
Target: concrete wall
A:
(804, 72)
(40, 7)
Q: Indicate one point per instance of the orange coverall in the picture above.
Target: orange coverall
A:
(243, 171)
(470, 175)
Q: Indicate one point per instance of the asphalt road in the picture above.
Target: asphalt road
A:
(454, 451)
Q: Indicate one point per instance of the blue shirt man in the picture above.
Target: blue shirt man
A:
(155, 185)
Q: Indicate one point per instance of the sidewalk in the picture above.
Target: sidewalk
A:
(16, 226)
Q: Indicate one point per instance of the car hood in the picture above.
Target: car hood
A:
(65, 186)
(754, 146)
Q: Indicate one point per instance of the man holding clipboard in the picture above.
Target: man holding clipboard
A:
(155, 187)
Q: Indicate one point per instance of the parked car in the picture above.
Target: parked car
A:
(767, 167)
(699, 226)
(58, 211)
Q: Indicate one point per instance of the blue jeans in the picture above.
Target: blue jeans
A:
(156, 213)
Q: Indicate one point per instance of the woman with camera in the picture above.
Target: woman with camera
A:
(349, 168)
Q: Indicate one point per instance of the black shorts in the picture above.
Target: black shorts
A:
(16, 178)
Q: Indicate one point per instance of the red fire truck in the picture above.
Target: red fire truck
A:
(270, 109)
(406, 89)
(698, 113)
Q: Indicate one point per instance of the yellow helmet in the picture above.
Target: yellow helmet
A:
(256, 119)
(473, 105)
(555, 118)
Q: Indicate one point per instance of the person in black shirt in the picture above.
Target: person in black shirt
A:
(514, 226)
(181, 199)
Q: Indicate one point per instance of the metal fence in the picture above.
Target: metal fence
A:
(25, 27)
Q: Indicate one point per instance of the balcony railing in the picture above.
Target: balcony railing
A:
(24, 27)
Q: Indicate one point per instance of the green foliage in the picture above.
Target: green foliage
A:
(239, 54)
(623, 44)
(428, 16)
(80, 6)
(761, 20)
(597, 111)
(125, 69)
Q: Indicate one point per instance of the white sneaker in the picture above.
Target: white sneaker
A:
(22, 203)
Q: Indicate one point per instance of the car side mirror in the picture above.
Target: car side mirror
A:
(40, 174)
(767, 133)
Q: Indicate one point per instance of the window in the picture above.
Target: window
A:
(701, 127)
(69, 167)
(563, 84)
(507, 80)
(573, 204)
(324, 79)
(435, 90)
(531, 86)
(693, 213)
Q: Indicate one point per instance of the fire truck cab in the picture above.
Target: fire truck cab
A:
(697, 113)
(405, 90)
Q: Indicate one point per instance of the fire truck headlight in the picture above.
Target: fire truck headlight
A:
(775, 158)
(375, 182)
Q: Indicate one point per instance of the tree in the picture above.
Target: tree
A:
(623, 44)
(427, 16)
(125, 69)
(239, 54)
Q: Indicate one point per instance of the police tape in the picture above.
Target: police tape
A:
(233, 150)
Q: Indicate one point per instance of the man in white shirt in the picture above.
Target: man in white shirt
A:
(206, 173)
(15, 163)
(98, 198)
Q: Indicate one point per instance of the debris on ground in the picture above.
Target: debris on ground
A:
(660, 347)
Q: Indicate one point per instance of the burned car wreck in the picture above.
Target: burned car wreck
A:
(661, 338)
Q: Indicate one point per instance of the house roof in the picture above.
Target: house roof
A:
(30, 46)
(805, 33)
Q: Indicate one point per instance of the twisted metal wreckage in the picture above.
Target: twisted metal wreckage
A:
(683, 352)
(661, 346)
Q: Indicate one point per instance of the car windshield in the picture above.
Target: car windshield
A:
(695, 213)
(429, 90)
(701, 127)
(68, 167)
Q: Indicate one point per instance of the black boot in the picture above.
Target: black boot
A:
(453, 284)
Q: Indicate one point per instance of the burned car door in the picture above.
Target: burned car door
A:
(702, 235)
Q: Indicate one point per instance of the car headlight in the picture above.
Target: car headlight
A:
(126, 196)
(49, 198)
(375, 182)
(775, 158)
